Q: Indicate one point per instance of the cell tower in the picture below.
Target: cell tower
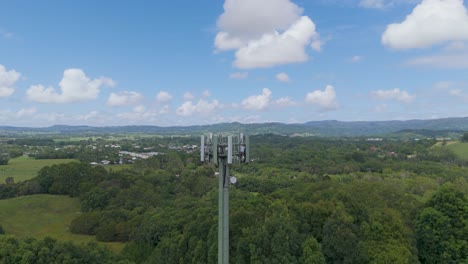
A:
(222, 151)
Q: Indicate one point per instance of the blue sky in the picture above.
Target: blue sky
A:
(201, 62)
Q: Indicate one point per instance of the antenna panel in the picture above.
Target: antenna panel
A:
(202, 148)
(229, 155)
(215, 149)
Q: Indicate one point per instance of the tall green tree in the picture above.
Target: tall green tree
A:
(4, 159)
(465, 137)
(312, 252)
(442, 228)
(340, 239)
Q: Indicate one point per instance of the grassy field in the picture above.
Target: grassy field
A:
(460, 149)
(117, 167)
(44, 215)
(24, 168)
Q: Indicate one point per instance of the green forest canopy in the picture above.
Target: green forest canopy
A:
(302, 200)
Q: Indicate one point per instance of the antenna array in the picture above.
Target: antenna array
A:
(233, 148)
(222, 151)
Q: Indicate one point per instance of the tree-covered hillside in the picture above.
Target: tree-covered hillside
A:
(324, 128)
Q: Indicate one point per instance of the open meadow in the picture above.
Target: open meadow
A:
(460, 149)
(117, 167)
(43, 215)
(24, 168)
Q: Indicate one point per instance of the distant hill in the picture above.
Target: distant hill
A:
(312, 128)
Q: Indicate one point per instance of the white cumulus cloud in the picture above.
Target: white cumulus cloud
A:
(26, 112)
(455, 89)
(278, 48)
(282, 77)
(188, 96)
(206, 94)
(164, 110)
(186, 109)
(285, 101)
(89, 116)
(75, 86)
(325, 100)
(124, 98)
(265, 33)
(431, 22)
(258, 102)
(7, 80)
(138, 114)
(394, 94)
(250, 19)
(203, 107)
(163, 97)
(457, 92)
(139, 109)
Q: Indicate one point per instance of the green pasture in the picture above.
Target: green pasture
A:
(460, 149)
(24, 168)
(44, 215)
(117, 167)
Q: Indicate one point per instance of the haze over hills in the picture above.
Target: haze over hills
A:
(313, 128)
